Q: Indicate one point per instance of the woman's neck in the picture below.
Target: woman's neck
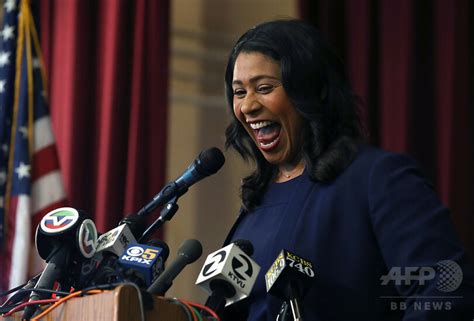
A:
(287, 172)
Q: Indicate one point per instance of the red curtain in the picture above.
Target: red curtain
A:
(107, 63)
(411, 63)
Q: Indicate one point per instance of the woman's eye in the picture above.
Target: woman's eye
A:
(239, 93)
(265, 89)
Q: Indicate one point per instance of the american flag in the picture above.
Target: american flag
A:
(30, 180)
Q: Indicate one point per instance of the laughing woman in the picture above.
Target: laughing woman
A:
(355, 211)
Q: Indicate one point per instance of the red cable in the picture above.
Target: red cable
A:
(203, 307)
(24, 304)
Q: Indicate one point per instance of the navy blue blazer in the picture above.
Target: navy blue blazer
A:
(378, 220)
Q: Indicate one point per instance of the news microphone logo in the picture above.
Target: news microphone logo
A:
(287, 268)
(107, 237)
(141, 254)
(230, 264)
(87, 238)
(242, 267)
(116, 240)
(135, 251)
(214, 262)
(59, 220)
(144, 258)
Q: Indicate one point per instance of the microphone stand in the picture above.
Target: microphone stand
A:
(295, 309)
(166, 214)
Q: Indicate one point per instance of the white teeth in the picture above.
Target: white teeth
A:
(266, 145)
(260, 124)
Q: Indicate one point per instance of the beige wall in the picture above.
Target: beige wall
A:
(203, 32)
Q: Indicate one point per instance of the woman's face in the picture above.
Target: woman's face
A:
(265, 110)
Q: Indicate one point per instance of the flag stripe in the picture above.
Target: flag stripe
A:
(44, 161)
(21, 245)
(46, 190)
(43, 126)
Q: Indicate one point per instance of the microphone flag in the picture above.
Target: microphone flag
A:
(233, 265)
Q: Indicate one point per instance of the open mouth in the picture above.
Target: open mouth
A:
(267, 134)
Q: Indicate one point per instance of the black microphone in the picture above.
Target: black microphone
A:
(63, 236)
(244, 245)
(228, 275)
(207, 163)
(136, 223)
(289, 277)
(101, 268)
(188, 252)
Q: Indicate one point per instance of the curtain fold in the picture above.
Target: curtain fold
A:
(108, 67)
(411, 64)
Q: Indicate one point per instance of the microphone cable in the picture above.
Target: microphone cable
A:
(62, 300)
(27, 303)
(94, 290)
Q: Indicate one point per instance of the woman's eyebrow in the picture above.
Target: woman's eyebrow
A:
(255, 79)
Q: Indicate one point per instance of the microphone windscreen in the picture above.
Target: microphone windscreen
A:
(245, 245)
(191, 250)
(210, 161)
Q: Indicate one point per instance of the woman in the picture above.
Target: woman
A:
(359, 214)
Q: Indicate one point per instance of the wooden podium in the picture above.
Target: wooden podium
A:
(120, 304)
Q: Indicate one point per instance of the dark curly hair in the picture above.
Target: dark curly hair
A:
(314, 80)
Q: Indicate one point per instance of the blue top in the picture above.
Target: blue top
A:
(379, 215)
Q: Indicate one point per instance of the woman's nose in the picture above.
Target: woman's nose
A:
(250, 104)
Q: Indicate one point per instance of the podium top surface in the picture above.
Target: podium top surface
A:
(120, 304)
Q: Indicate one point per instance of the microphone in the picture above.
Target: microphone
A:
(53, 242)
(147, 259)
(136, 223)
(228, 275)
(116, 240)
(207, 163)
(289, 277)
(101, 268)
(88, 270)
(244, 245)
(188, 252)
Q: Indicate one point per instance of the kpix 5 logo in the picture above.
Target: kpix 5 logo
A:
(141, 254)
(59, 220)
(449, 274)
